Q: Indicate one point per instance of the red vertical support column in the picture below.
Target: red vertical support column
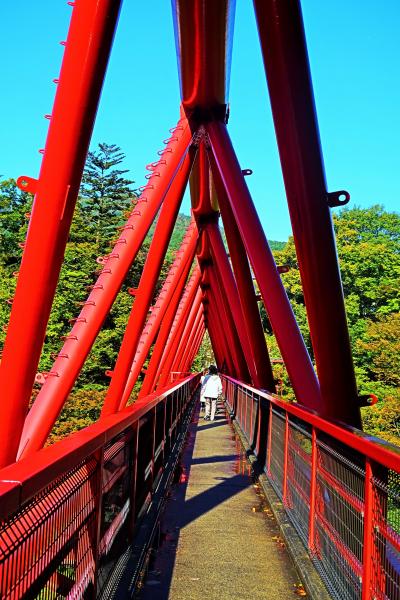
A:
(244, 281)
(90, 36)
(66, 368)
(148, 281)
(285, 460)
(280, 312)
(313, 491)
(228, 283)
(368, 541)
(169, 294)
(283, 44)
(269, 446)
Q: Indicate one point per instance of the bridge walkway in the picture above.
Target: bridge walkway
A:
(219, 539)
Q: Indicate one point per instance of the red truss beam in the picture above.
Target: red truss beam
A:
(227, 323)
(148, 281)
(193, 349)
(219, 359)
(218, 334)
(245, 286)
(228, 283)
(189, 331)
(90, 36)
(203, 33)
(175, 281)
(190, 306)
(285, 328)
(168, 324)
(284, 50)
(66, 368)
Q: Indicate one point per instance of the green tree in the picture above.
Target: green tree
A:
(105, 194)
(15, 206)
(378, 350)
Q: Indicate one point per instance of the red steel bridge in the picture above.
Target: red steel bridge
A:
(339, 487)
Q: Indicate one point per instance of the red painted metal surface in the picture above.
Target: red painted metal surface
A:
(203, 33)
(284, 51)
(340, 489)
(90, 35)
(70, 502)
(148, 280)
(54, 392)
(227, 324)
(244, 281)
(280, 313)
(179, 333)
(186, 348)
(227, 282)
(167, 326)
(172, 287)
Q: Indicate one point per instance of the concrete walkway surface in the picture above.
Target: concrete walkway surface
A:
(219, 538)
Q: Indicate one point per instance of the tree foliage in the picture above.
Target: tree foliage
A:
(368, 243)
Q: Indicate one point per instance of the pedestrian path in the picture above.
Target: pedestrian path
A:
(219, 539)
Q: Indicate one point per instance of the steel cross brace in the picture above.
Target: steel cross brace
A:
(55, 390)
(175, 281)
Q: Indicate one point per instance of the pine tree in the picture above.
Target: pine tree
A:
(105, 194)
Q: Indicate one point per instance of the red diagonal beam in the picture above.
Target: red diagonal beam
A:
(173, 286)
(66, 368)
(218, 332)
(281, 316)
(227, 324)
(168, 324)
(90, 36)
(148, 281)
(192, 353)
(188, 336)
(244, 281)
(284, 49)
(189, 310)
(228, 284)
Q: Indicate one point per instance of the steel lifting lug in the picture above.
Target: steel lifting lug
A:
(283, 269)
(247, 172)
(367, 399)
(339, 198)
(27, 184)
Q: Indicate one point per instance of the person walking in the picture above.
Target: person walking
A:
(212, 389)
(203, 382)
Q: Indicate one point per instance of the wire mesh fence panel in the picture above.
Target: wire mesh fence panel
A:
(49, 543)
(277, 450)
(339, 521)
(115, 506)
(386, 537)
(341, 490)
(66, 538)
(299, 477)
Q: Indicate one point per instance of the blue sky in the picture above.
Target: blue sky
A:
(354, 50)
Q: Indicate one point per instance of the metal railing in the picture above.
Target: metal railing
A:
(69, 511)
(339, 487)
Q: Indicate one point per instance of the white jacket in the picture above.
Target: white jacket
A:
(212, 387)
